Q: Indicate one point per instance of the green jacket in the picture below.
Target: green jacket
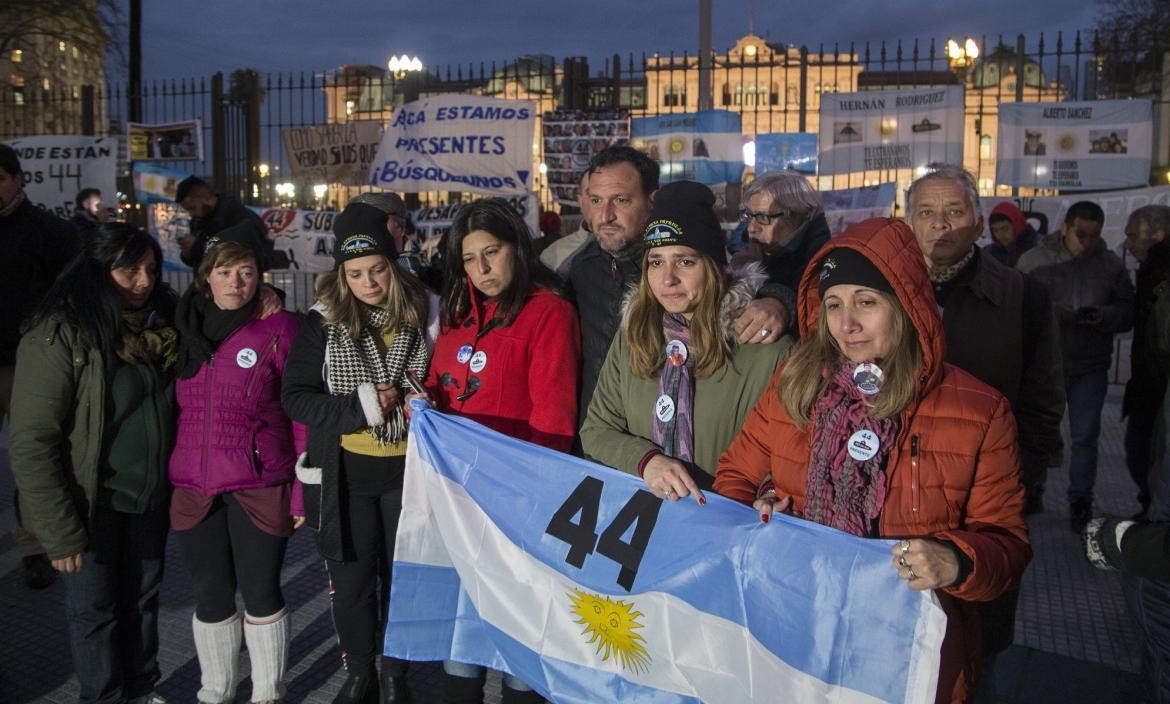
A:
(57, 437)
(618, 424)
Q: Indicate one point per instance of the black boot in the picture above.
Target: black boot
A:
(462, 690)
(361, 687)
(393, 681)
(517, 696)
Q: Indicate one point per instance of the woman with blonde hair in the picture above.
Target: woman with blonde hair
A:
(677, 385)
(868, 431)
(345, 381)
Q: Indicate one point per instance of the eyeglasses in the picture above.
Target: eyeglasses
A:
(764, 219)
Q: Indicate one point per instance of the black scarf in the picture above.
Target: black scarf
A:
(203, 326)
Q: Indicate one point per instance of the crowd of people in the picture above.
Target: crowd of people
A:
(892, 381)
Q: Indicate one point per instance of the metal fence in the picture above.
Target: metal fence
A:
(776, 88)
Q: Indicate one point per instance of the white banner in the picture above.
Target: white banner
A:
(338, 153)
(56, 167)
(890, 129)
(457, 143)
(1093, 144)
(849, 206)
(1047, 214)
(434, 222)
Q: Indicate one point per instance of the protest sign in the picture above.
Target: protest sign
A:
(1075, 145)
(704, 146)
(571, 138)
(457, 143)
(890, 129)
(338, 153)
(576, 579)
(165, 142)
(56, 167)
(849, 206)
(786, 151)
(435, 221)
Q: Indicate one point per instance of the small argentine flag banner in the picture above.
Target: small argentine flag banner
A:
(577, 580)
(704, 146)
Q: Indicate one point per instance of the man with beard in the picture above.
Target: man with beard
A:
(212, 213)
(620, 187)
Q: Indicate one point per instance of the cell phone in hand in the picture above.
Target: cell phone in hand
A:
(413, 383)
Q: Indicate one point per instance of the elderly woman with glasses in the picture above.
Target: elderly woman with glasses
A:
(786, 225)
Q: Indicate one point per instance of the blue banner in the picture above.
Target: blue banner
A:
(786, 151)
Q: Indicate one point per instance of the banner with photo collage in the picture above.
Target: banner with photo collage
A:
(571, 138)
(1074, 145)
(890, 129)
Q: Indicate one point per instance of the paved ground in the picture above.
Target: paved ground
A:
(1074, 640)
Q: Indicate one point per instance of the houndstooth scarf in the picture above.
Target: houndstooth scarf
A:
(350, 363)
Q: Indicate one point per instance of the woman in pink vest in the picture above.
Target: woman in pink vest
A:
(232, 469)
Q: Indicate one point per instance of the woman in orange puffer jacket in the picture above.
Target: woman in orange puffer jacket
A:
(867, 430)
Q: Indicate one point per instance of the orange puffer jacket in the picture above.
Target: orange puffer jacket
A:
(954, 474)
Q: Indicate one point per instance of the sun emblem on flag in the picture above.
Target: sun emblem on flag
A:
(611, 624)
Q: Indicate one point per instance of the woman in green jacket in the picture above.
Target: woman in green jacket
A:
(91, 432)
(676, 385)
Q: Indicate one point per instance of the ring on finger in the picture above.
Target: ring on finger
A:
(905, 547)
(764, 332)
(913, 576)
(902, 561)
(669, 493)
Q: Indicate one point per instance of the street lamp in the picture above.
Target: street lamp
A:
(401, 65)
(962, 55)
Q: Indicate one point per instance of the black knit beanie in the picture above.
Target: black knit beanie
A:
(848, 266)
(684, 214)
(359, 231)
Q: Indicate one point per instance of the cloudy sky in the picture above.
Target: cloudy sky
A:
(190, 39)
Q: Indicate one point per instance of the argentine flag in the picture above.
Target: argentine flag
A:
(704, 146)
(577, 580)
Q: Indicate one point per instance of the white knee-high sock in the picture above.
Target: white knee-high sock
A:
(218, 648)
(268, 639)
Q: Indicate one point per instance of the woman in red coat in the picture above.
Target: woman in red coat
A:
(870, 432)
(507, 356)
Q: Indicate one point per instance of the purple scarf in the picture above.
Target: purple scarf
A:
(676, 435)
(842, 492)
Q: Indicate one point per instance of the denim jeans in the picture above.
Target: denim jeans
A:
(462, 669)
(111, 605)
(1149, 604)
(1086, 396)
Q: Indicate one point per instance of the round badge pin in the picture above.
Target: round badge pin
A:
(478, 361)
(463, 354)
(664, 408)
(863, 445)
(246, 358)
(868, 377)
(676, 353)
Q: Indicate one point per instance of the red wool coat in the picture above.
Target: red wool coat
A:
(525, 374)
(953, 476)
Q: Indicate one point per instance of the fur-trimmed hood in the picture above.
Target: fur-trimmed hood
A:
(746, 280)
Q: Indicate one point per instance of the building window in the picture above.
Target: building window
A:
(675, 96)
(76, 93)
(45, 84)
(985, 147)
(793, 95)
(349, 107)
(76, 53)
(986, 187)
(17, 56)
(61, 46)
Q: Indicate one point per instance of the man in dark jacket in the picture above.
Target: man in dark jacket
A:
(212, 213)
(1093, 300)
(621, 184)
(1011, 235)
(786, 225)
(1145, 239)
(88, 213)
(1000, 328)
(37, 246)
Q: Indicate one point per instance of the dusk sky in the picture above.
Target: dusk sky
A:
(190, 39)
